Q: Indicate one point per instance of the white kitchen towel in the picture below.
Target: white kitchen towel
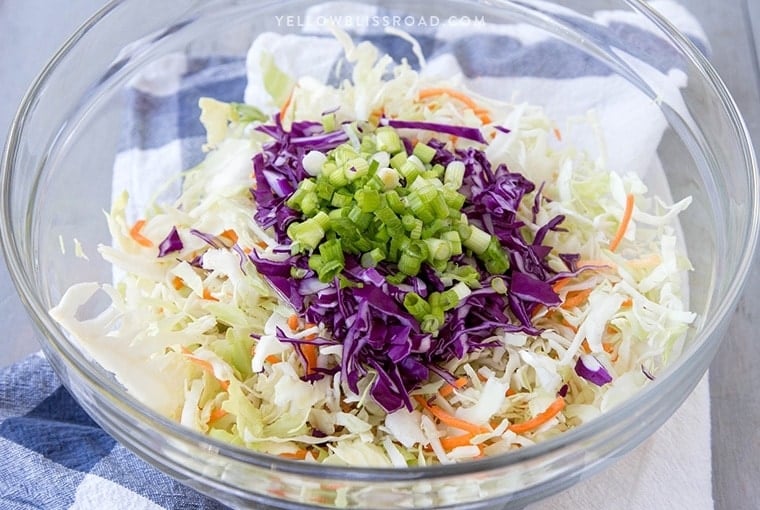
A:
(56, 457)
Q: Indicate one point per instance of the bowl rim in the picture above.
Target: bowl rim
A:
(57, 341)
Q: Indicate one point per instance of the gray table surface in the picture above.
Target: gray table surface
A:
(31, 31)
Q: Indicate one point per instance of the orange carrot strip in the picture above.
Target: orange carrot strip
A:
(627, 213)
(462, 97)
(585, 346)
(560, 284)
(205, 365)
(216, 414)
(272, 359)
(447, 388)
(178, 282)
(207, 295)
(286, 105)
(558, 134)
(377, 114)
(609, 348)
(450, 420)
(135, 234)
(567, 324)
(230, 234)
(293, 322)
(300, 454)
(449, 443)
(310, 353)
(575, 298)
(510, 392)
(627, 303)
(538, 420)
(262, 244)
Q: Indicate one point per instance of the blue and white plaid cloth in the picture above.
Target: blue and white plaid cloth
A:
(55, 457)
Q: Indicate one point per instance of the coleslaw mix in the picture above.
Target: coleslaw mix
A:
(389, 272)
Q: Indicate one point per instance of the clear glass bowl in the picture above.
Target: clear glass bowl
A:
(56, 180)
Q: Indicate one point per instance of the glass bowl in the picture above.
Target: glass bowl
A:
(57, 179)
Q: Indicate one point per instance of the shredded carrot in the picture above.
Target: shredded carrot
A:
(627, 303)
(377, 114)
(564, 322)
(538, 420)
(293, 322)
(450, 420)
(447, 388)
(585, 346)
(286, 105)
(299, 454)
(135, 234)
(216, 414)
(609, 348)
(207, 295)
(510, 392)
(178, 282)
(230, 234)
(560, 284)
(576, 298)
(262, 245)
(482, 113)
(272, 359)
(627, 213)
(558, 134)
(310, 354)
(205, 365)
(449, 443)
(247, 250)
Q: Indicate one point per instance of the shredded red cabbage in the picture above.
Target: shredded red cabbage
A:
(590, 369)
(364, 311)
(170, 244)
(469, 133)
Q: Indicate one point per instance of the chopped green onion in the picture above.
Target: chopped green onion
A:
(393, 199)
(454, 174)
(387, 140)
(341, 199)
(355, 168)
(310, 204)
(372, 257)
(499, 285)
(312, 162)
(424, 152)
(389, 177)
(495, 258)
(328, 122)
(438, 249)
(368, 200)
(307, 234)
(398, 160)
(416, 305)
(478, 240)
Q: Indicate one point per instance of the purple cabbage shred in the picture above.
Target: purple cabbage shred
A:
(170, 244)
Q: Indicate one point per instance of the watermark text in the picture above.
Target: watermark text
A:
(376, 21)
